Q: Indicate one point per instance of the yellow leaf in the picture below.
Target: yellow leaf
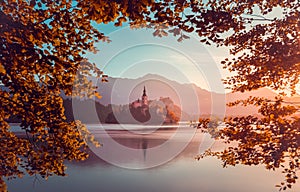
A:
(31, 37)
(98, 95)
(2, 70)
(56, 42)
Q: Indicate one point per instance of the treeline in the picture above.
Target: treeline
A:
(162, 111)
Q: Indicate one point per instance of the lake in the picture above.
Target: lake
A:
(137, 158)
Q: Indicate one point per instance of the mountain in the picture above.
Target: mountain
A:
(189, 97)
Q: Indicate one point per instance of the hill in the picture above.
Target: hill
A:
(192, 99)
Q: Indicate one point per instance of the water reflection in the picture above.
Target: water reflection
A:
(144, 147)
(139, 149)
(144, 143)
(181, 174)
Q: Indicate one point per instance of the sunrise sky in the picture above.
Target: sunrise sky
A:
(135, 53)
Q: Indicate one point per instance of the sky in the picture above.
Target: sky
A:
(136, 53)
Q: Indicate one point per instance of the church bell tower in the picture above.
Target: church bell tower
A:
(144, 97)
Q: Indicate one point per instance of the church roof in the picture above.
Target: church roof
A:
(144, 92)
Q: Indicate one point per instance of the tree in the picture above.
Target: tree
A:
(272, 140)
(42, 50)
(42, 47)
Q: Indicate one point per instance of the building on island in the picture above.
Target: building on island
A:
(141, 102)
(140, 108)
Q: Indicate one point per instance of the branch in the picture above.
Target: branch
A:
(56, 13)
(262, 18)
(50, 17)
(258, 19)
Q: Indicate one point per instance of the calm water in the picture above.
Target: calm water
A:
(153, 160)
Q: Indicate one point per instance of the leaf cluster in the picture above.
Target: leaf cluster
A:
(272, 140)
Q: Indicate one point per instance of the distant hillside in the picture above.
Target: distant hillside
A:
(192, 99)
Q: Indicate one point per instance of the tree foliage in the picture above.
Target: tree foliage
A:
(272, 140)
(42, 48)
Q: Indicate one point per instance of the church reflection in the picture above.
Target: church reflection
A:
(144, 147)
(145, 143)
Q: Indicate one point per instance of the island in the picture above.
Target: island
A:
(139, 111)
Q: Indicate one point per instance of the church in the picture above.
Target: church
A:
(141, 102)
(139, 109)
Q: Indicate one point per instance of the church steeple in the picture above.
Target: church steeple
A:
(144, 97)
(144, 92)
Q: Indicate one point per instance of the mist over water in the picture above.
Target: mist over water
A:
(179, 174)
